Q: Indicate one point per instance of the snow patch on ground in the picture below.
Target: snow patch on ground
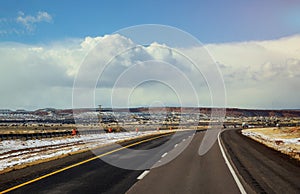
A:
(19, 152)
(288, 145)
(271, 139)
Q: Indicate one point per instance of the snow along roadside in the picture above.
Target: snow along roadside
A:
(16, 154)
(289, 146)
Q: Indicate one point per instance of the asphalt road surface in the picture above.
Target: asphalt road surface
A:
(263, 169)
(190, 173)
(187, 173)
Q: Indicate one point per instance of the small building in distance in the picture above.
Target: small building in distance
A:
(5, 111)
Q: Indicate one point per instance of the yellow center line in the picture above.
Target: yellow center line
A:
(79, 163)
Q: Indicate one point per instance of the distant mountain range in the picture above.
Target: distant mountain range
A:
(230, 112)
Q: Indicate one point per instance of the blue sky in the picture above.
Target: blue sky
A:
(210, 21)
(255, 44)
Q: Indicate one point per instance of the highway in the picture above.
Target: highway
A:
(187, 173)
(190, 173)
(264, 170)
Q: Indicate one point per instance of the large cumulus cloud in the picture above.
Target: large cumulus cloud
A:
(263, 74)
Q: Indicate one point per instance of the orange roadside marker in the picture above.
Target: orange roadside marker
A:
(74, 132)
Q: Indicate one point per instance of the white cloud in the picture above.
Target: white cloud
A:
(263, 74)
(29, 21)
(34, 76)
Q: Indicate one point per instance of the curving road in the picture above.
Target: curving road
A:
(262, 170)
(257, 168)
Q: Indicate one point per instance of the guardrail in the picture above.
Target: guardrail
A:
(28, 136)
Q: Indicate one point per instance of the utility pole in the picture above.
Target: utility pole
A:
(100, 115)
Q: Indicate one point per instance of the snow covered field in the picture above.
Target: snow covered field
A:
(18, 153)
(285, 140)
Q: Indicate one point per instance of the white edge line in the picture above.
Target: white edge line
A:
(175, 145)
(164, 154)
(143, 174)
(235, 177)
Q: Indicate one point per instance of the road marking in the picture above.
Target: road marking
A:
(143, 175)
(164, 154)
(235, 177)
(175, 145)
(80, 163)
(183, 140)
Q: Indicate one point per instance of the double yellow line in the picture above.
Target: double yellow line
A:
(80, 163)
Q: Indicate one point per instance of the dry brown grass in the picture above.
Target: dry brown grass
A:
(275, 132)
(273, 138)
